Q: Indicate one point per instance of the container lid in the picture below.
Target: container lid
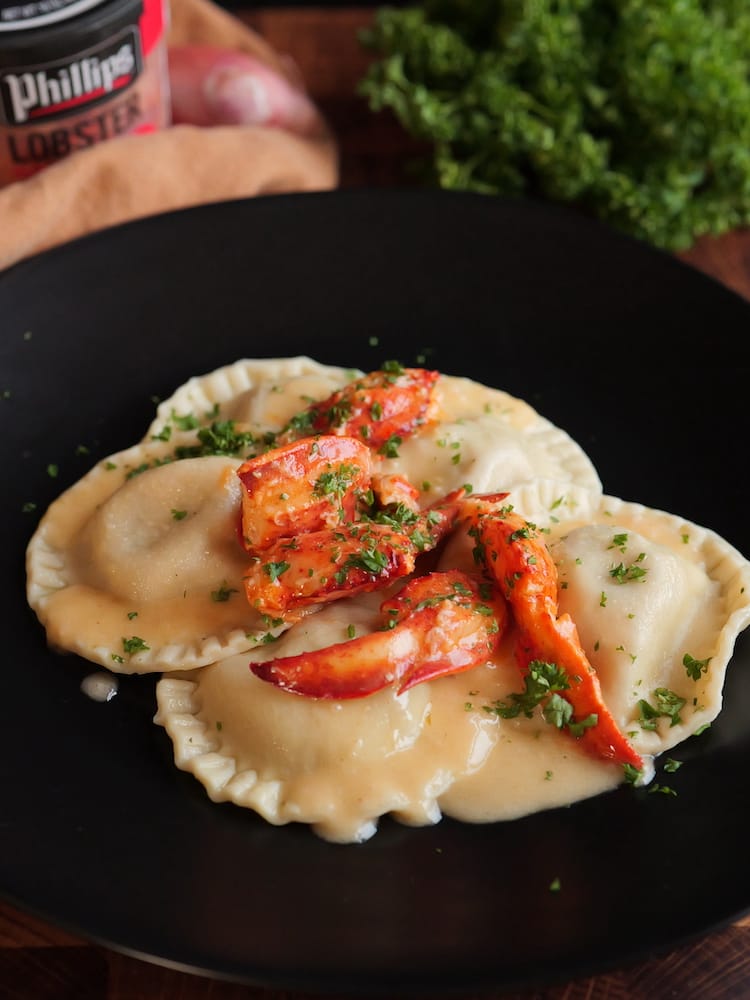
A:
(43, 30)
(15, 16)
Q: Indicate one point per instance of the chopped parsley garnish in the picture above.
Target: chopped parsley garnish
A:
(542, 684)
(271, 622)
(625, 574)
(339, 413)
(265, 639)
(397, 515)
(390, 447)
(335, 483)
(661, 790)
(301, 422)
(578, 728)
(220, 438)
(223, 593)
(619, 541)
(542, 680)
(519, 533)
(667, 705)
(695, 667)
(273, 570)
(178, 515)
(557, 711)
(371, 560)
(134, 645)
(393, 369)
(632, 774)
(420, 540)
(184, 422)
(137, 470)
(478, 552)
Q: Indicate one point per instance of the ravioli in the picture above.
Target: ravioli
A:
(443, 748)
(142, 573)
(141, 566)
(658, 603)
(137, 567)
(337, 766)
(490, 440)
(262, 394)
(341, 765)
(265, 395)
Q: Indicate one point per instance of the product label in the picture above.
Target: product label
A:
(40, 93)
(30, 148)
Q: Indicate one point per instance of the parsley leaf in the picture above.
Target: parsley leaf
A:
(635, 112)
(695, 667)
(667, 704)
(134, 645)
(390, 447)
(273, 570)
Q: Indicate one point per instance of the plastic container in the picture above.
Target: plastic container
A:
(76, 72)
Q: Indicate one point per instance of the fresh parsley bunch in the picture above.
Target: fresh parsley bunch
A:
(637, 111)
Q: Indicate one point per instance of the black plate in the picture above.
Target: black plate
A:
(101, 834)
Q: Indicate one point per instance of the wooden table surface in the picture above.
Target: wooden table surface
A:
(41, 962)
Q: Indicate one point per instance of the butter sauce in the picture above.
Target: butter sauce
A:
(143, 573)
(100, 686)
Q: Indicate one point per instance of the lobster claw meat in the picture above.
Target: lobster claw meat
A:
(437, 625)
(517, 560)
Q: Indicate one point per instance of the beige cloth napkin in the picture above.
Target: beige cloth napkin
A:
(140, 175)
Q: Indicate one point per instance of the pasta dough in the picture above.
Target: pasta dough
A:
(143, 574)
(341, 765)
(139, 567)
